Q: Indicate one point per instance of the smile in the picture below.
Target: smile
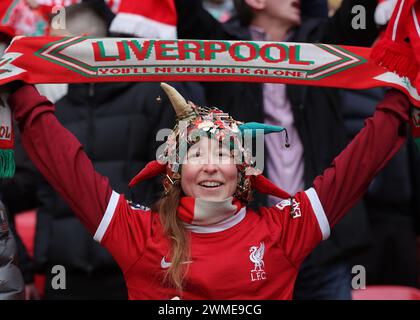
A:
(210, 184)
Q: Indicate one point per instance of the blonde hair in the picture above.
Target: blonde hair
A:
(178, 236)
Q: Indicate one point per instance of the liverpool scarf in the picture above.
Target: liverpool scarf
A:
(75, 60)
(399, 49)
(393, 62)
(80, 59)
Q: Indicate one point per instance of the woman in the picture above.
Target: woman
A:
(201, 241)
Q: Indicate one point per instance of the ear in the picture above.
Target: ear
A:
(256, 4)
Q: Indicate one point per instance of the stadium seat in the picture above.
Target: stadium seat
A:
(386, 293)
(25, 225)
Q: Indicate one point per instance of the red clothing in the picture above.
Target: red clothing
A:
(257, 256)
(224, 263)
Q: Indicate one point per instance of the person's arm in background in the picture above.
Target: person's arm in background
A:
(351, 172)
(18, 195)
(59, 156)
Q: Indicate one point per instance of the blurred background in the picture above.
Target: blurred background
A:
(381, 233)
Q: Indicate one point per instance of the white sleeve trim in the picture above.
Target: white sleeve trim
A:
(106, 220)
(319, 212)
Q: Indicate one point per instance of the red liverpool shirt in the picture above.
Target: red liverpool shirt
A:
(253, 255)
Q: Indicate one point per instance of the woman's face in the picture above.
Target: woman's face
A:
(209, 172)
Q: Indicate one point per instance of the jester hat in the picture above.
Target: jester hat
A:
(193, 122)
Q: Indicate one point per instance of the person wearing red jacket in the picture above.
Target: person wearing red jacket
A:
(201, 241)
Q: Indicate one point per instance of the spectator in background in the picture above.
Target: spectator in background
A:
(391, 203)
(314, 9)
(311, 115)
(117, 125)
(18, 194)
(333, 6)
(222, 10)
(11, 282)
(26, 18)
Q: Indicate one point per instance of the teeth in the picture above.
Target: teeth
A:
(210, 184)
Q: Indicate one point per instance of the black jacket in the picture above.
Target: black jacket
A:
(11, 281)
(316, 110)
(116, 124)
(395, 189)
(19, 194)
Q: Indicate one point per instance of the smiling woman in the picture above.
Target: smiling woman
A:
(208, 175)
(201, 240)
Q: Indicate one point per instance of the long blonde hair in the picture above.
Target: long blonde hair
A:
(178, 236)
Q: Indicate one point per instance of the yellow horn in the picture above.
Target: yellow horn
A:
(181, 107)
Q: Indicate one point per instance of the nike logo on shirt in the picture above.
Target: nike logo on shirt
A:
(165, 265)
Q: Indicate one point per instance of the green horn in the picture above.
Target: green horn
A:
(254, 126)
(261, 126)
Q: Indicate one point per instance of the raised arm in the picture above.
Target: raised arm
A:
(59, 156)
(345, 182)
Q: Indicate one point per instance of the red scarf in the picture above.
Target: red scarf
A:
(7, 164)
(399, 48)
(80, 60)
(210, 215)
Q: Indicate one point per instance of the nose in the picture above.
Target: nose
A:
(210, 168)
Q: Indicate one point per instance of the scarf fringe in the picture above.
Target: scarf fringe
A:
(396, 58)
(7, 163)
(417, 140)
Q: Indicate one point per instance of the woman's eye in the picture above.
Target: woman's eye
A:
(195, 154)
